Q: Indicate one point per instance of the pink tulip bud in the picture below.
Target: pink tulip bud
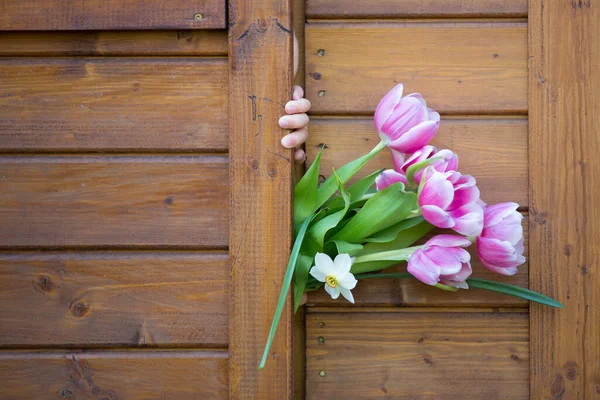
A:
(389, 177)
(442, 260)
(451, 200)
(500, 246)
(405, 122)
(446, 160)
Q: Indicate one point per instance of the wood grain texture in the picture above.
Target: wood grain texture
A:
(65, 15)
(564, 171)
(494, 151)
(118, 201)
(114, 299)
(412, 293)
(260, 82)
(114, 43)
(458, 67)
(125, 104)
(415, 8)
(442, 355)
(114, 375)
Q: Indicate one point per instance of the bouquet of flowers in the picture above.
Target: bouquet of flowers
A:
(347, 233)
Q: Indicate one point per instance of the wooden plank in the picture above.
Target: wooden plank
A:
(415, 356)
(129, 104)
(114, 43)
(118, 201)
(64, 15)
(471, 67)
(415, 8)
(114, 299)
(260, 76)
(564, 171)
(114, 375)
(412, 293)
(492, 150)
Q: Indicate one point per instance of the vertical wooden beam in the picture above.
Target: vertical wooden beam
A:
(260, 81)
(564, 236)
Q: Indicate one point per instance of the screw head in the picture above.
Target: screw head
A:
(320, 52)
(198, 17)
(321, 373)
(321, 339)
(321, 93)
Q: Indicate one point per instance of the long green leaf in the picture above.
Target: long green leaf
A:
(329, 187)
(300, 278)
(285, 287)
(513, 291)
(386, 208)
(305, 192)
(356, 190)
(492, 286)
(391, 233)
(341, 247)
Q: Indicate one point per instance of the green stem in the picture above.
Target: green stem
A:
(392, 255)
(285, 287)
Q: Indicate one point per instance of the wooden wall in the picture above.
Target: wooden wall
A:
(114, 278)
(403, 339)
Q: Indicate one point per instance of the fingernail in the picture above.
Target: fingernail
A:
(283, 122)
(285, 142)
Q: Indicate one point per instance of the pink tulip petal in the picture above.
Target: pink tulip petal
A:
(463, 197)
(408, 113)
(510, 230)
(498, 253)
(416, 137)
(503, 271)
(446, 240)
(470, 224)
(496, 213)
(422, 268)
(445, 258)
(387, 105)
(458, 279)
(436, 191)
(437, 217)
(418, 97)
(389, 177)
(398, 159)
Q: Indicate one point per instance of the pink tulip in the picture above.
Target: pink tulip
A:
(389, 177)
(451, 200)
(406, 122)
(442, 260)
(447, 161)
(500, 246)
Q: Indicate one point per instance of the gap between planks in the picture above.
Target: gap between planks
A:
(420, 22)
(429, 310)
(9, 354)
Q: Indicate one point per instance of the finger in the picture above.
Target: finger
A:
(297, 106)
(299, 156)
(295, 139)
(304, 299)
(295, 121)
(298, 93)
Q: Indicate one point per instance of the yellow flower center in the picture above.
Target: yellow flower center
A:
(331, 281)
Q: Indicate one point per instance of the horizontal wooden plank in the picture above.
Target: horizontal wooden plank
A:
(118, 201)
(114, 43)
(114, 375)
(494, 151)
(114, 299)
(472, 67)
(412, 293)
(415, 8)
(83, 104)
(418, 356)
(48, 15)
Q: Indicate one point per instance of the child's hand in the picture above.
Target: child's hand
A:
(297, 120)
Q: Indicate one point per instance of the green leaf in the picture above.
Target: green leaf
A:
(315, 236)
(285, 287)
(305, 192)
(300, 278)
(342, 247)
(345, 173)
(513, 291)
(389, 234)
(413, 169)
(386, 208)
(356, 190)
(404, 239)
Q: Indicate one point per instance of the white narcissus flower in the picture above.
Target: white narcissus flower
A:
(335, 274)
